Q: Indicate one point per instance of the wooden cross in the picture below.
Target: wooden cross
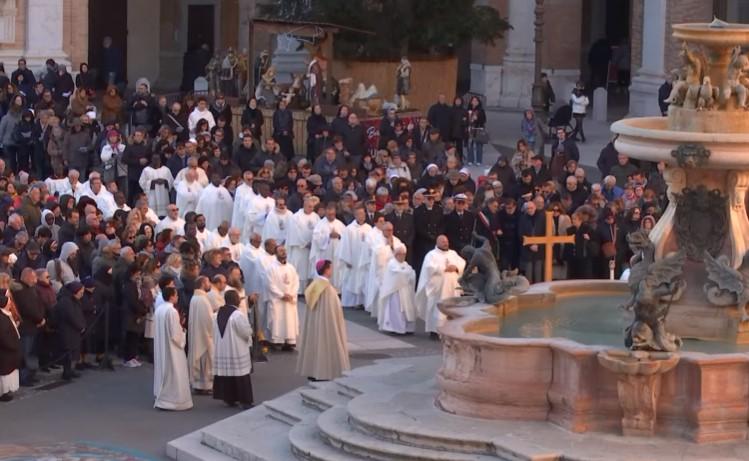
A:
(549, 240)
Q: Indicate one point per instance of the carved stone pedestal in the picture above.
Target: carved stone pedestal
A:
(638, 386)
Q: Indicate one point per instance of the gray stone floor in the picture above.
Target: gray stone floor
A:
(114, 410)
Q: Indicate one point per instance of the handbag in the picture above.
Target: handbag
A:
(481, 136)
(609, 250)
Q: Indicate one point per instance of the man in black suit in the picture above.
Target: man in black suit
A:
(372, 213)
(459, 224)
(429, 217)
(404, 228)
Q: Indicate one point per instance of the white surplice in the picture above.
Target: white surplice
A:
(277, 225)
(435, 284)
(259, 208)
(176, 225)
(233, 348)
(104, 199)
(243, 197)
(171, 383)
(283, 316)
(249, 262)
(158, 194)
(214, 240)
(235, 249)
(353, 259)
(379, 257)
(216, 204)
(298, 243)
(396, 300)
(200, 173)
(200, 339)
(325, 247)
(188, 195)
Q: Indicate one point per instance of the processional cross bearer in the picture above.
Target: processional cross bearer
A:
(548, 240)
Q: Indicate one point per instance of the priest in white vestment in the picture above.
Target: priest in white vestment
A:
(215, 239)
(258, 210)
(171, 221)
(156, 181)
(396, 300)
(353, 255)
(171, 383)
(233, 243)
(299, 241)
(192, 166)
(188, 194)
(283, 288)
(96, 190)
(277, 222)
(264, 264)
(200, 112)
(325, 240)
(232, 339)
(249, 262)
(215, 294)
(200, 337)
(323, 349)
(381, 253)
(438, 280)
(216, 204)
(243, 198)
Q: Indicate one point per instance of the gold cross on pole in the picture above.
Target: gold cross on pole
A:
(549, 240)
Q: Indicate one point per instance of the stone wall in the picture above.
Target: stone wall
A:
(562, 38)
(75, 31)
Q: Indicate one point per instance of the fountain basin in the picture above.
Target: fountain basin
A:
(653, 139)
(705, 398)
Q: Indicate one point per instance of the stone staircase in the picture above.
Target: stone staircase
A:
(345, 420)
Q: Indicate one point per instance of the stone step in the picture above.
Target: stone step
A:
(421, 424)
(249, 436)
(323, 397)
(307, 445)
(289, 408)
(335, 429)
(190, 448)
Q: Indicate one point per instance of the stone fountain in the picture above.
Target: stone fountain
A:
(543, 355)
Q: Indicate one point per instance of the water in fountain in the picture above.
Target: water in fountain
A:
(591, 320)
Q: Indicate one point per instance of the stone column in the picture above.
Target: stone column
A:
(246, 12)
(44, 33)
(518, 64)
(643, 92)
(170, 52)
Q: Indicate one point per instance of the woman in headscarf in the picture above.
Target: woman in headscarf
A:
(64, 269)
(48, 221)
(252, 117)
(85, 80)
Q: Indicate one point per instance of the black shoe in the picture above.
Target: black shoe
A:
(246, 406)
(434, 336)
(7, 397)
(288, 347)
(27, 383)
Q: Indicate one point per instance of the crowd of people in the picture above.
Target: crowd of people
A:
(154, 231)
